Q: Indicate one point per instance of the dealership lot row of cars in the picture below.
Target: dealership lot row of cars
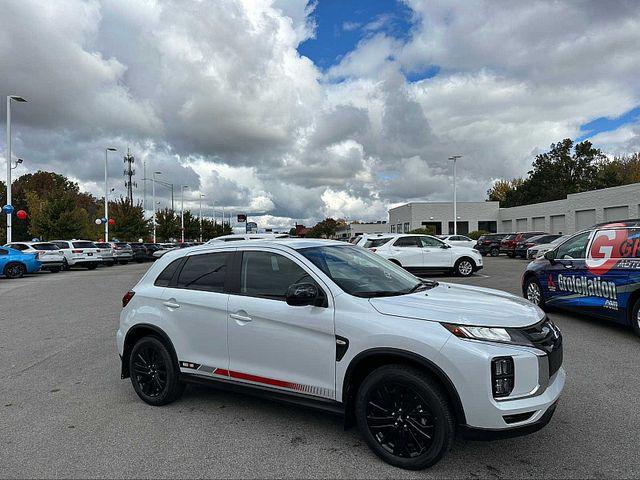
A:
(20, 258)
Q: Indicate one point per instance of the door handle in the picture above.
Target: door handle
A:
(568, 265)
(240, 318)
(171, 304)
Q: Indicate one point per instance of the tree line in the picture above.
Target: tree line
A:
(57, 209)
(566, 168)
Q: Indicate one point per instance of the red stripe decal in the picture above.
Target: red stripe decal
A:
(221, 371)
(266, 381)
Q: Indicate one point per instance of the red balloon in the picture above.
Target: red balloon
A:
(112, 221)
(21, 214)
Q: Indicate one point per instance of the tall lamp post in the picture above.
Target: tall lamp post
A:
(455, 210)
(182, 187)
(16, 98)
(106, 194)
(201, 196)
(153, 189)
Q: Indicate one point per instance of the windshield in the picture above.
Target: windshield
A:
(377, 242)
(45, 246)
(361, 273)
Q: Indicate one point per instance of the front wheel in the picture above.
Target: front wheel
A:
(533, 291)
(494, 252)
(635, 318)
(92, 266)
(464, 267)
(404, 417)
(154, 375)
(55, 269)
(14, 270)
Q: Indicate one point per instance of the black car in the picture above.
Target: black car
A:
(521, 247)
(140, 252)
(490, 244)
(151, 248)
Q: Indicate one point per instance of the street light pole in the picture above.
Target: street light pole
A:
(201, 195)
(106, 194)
(182, 187)
(9, 215)
(455, 211)
(153, 189)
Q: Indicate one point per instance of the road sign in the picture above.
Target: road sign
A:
(242, 217)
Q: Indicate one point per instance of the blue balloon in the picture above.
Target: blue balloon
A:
(7, 209)
(104, 220)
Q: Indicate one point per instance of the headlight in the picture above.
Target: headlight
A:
(491, 334)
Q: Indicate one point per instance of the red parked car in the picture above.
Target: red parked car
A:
(508, 243)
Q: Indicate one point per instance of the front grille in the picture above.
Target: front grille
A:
(546, 336)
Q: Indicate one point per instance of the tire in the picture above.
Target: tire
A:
(55, 269)
(404, 442)
(510, 254)
(531, 286)
(92, 266)
(464, 267)
(65, 265)
(154, 375)
(635, 317)
(14, 270)
(494, 252)
(123, 262)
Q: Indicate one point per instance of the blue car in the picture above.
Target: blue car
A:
(14, 263)
(594, 272)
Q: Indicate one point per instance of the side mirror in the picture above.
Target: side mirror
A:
(445, 246)
(550, 255)
(302, 294)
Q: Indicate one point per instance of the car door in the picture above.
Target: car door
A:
(436, 253)
(195, 308)
(273, 344)
(408, 251)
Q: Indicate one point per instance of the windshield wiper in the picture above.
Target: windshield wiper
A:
(378, 293)
(423, 285)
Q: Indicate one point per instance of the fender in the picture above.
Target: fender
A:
(128, 344)
(431, 367)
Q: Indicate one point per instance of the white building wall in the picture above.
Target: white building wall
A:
(417, 213)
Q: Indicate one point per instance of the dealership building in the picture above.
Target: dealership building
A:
(577, 211)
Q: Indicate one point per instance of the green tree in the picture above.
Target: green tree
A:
(500, 188)
(130, 224)
(211, 229)
(424, 231)
(191, 226)
(60, 218)
(168, 225)
(324, 229)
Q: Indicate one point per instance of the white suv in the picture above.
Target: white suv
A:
(48, 254)
(330, 325)
(424, 253)
(80, 253)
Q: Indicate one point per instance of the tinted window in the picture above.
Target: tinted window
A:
(3, 251)
(61, 244)
(408, 242)
(165, 277)
(530, 234)
(121, 244)
(235, 239)
(575, 247)
(19, 246)
(431, 242)
(269, 275)
(103, 245)
(84, 244)
(45, 246)
(204, 272)
(378, 242)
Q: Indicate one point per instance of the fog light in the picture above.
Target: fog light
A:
(502, 376)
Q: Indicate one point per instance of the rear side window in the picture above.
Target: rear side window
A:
(19, 246)
(164, 279)
(378, 242)
(204, 272)
(45, 246)
(61, 244)
(269, 275)
(408, 242)
(84, 244)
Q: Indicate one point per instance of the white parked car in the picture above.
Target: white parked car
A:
(78, 253)
(425, 253)
(106, 253)
(122, 251)
(236, 237)
(164, 248)
(365, 239)
(48, 253)
(539, 250)
(327, 324)
(458, 240)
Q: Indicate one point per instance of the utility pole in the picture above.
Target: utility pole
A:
(153, 188)
(106, 194)
(144, 187)
(9, 214)
(129, 173)
(182, 187)
(455, 211)
(201, 195)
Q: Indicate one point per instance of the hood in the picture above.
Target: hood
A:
(462, 304)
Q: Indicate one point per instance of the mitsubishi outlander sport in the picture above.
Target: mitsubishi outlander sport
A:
(328, 324)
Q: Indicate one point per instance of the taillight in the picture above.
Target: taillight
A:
(127, 298)
(77, 251)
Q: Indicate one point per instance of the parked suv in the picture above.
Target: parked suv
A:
(122, 251)
(48, 254)
(327, 324)
(594, 272)
(78, 253)
(508, 243)
(425, 253)
(106, 253)
(140, 253)
(490, 244)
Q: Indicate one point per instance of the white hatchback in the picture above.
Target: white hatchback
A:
(330, 325)
(424, 253)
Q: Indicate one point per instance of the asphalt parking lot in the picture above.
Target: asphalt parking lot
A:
(64, 412)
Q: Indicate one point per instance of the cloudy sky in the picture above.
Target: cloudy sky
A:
(292, 110)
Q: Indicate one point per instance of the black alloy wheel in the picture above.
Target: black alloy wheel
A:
(404, 417)
(65, 265)
(14, 270)
(155, 377)
(494, 252)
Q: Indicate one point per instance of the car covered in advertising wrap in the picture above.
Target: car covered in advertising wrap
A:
(595, 271)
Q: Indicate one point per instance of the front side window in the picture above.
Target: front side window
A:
(431, 242)
(408, 242)
(574, 248)
(376, 242)
(360, 272)
(205, 272)
(269, 275)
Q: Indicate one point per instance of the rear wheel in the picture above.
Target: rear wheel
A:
(494, 252)
(404, 417)
(511, 254)
(635, 318)
(92, 266)
(154, 375)
(533, 291)
(14, 270)
(464, 267)
(65, 265)
(55, 269)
